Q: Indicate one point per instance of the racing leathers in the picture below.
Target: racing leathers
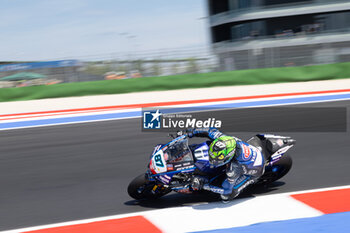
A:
(245, 167)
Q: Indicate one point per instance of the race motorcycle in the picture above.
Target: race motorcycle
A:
(173, 165)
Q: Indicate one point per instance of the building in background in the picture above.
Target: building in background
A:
(249, 34)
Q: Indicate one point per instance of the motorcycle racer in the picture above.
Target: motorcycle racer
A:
(244, 163)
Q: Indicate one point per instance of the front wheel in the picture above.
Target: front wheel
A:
(277, 170)
(142, 188)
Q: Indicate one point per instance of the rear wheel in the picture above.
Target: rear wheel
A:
(142, 188)
(277, 170)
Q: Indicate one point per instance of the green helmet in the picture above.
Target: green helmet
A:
(221, 150)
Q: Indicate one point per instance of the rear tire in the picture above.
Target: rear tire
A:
(277, 170)
(141, 188)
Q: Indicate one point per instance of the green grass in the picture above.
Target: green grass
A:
(240, 77)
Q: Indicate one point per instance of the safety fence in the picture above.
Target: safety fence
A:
(109, 66)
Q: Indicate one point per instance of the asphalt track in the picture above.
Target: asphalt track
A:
(77, 171)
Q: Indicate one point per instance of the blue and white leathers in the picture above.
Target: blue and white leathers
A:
(244, 168)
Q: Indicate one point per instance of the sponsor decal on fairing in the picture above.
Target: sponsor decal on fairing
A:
(246, 152)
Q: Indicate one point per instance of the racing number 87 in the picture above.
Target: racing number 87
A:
(158, 160)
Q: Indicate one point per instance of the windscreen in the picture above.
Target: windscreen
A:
(178, 152)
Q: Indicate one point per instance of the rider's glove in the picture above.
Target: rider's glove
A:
(189, 132)
(180, 133)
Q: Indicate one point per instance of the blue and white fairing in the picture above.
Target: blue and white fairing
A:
(169, 159)
(177, 157)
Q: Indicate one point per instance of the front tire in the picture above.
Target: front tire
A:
(142, 188)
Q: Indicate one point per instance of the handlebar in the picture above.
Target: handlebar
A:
(178, 134)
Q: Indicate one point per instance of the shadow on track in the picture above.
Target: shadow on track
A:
(261, 189)
(199, 200)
